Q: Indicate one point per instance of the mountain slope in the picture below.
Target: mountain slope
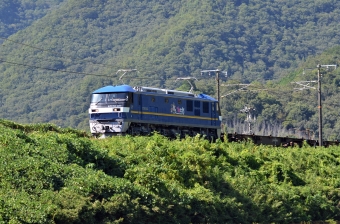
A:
(16, 15)
(68, 53)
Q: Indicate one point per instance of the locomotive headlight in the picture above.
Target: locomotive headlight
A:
(95, 110)
(116, 109)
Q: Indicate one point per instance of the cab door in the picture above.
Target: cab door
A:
(213, 113)
(137, 109)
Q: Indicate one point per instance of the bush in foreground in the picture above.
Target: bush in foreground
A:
(51, 175)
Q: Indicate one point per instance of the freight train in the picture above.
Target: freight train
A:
(122, 109)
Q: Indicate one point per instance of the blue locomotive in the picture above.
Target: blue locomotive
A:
(120, 110)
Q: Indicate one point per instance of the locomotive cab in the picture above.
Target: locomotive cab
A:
(109, 108)
(111, 99)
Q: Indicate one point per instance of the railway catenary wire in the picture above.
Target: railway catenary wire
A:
(256, 139)
(58, 54)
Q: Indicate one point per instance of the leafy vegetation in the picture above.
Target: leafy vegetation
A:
(55, 175)
(57, 52)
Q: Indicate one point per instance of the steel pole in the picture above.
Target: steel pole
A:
(218, 85)
(320, 106)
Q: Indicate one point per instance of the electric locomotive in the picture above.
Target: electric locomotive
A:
(121, 110)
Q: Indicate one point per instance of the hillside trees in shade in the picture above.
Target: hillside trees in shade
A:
(88, 41)
(16, 15)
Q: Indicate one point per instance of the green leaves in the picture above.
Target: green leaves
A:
(59, 176)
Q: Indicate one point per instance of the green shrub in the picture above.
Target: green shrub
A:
(58, 176)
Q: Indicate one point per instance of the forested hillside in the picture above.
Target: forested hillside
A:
(286, 108)
(56, 175)
(16, 15)
(70, 48)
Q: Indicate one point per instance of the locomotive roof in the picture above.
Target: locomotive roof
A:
(203, 96)
(110, 89)
(127, 88)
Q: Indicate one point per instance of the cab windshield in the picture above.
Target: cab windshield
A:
(110, 98)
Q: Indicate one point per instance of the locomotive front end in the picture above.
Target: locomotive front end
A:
(109, 110)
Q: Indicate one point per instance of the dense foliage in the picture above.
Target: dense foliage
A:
(59, 51)
(54, 175)
(16, 15)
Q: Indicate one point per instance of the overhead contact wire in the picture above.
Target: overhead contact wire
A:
(59, 54)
